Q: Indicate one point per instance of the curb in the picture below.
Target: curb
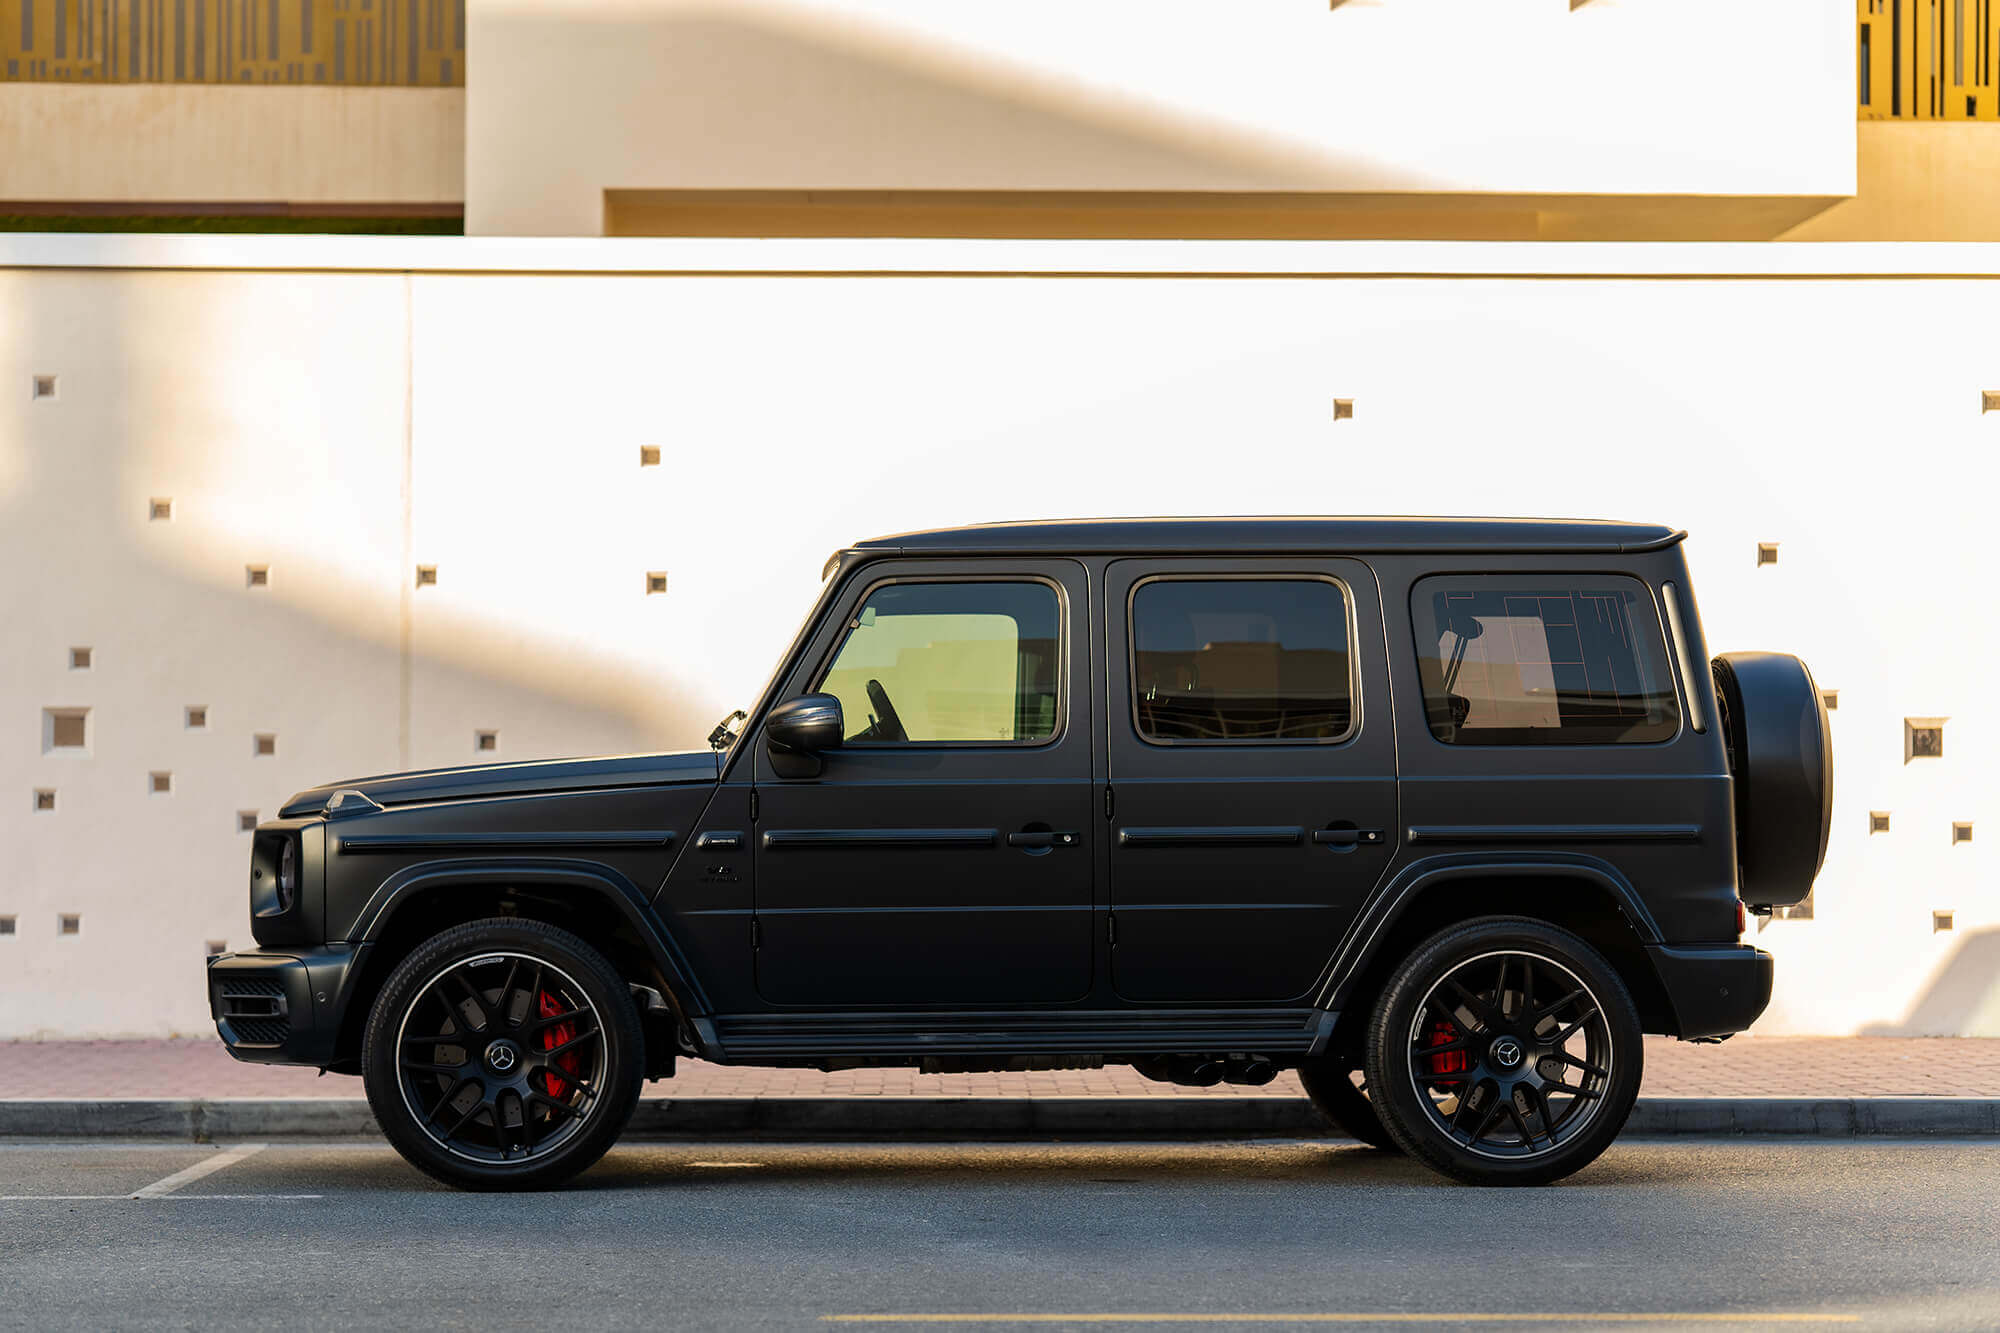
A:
(204, 1120)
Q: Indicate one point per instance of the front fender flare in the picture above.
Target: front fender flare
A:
(592, 877)
(1364, 939)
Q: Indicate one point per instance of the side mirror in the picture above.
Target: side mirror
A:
(798, 729)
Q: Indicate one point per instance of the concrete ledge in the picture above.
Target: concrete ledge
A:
(203, 1120)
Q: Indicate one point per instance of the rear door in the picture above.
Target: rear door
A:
(1252, 767)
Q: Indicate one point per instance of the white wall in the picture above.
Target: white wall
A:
(1619, 97)
(350, 423)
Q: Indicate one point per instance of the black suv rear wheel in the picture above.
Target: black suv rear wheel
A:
(1504, 1052)
(1338, 1095)
(503, 1054)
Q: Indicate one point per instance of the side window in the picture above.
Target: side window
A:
(1517, 659)
(1241, 660)
(924, 663)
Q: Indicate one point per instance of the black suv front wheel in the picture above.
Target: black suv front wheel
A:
(503, 1054)
(1504, 1051)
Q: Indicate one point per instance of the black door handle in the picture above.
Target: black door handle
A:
(1347, 837)
(1041, 840)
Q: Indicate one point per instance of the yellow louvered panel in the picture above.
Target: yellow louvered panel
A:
(1928, 59)
(410, 43)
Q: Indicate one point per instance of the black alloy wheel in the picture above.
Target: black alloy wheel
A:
(1505, 1051)
(503, 1054)
(1340, 1093)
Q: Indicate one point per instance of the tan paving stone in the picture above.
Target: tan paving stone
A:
(1748, 1066)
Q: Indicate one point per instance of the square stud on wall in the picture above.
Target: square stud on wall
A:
(195, 717)
(1343, 409)
(66, 729)
(160, 783)
(656, 581)
(1767, 554)
(160, 508)
(649, 455)
(214, 947)
(45, 800)
(69, 923)
(1923, 738)
(246, 821)
(486, 742)
(79, 659)
(1831, 698)
(1941, 922)
(7, 925)
(44, 386)
(1878, 821)
(427, 576)
(256, 576)
(1961, 831)
(1989, 401)
(265, 744)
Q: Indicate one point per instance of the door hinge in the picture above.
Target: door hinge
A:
(753, 805)
(1110, 802)
(756, 934)
(1111, 928)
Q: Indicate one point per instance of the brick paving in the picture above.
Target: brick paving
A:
(1748, 1066)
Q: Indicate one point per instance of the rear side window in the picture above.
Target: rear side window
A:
(1516, 659)
(1241, 660)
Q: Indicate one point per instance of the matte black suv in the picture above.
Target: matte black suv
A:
(1442, 813)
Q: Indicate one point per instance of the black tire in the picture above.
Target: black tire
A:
(1331, 1085)
(1454, 1093)
(503, 1054)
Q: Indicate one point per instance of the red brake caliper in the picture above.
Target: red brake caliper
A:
(553, 1037)
(1451, 1062)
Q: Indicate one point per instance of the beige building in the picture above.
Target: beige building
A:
(1408, 119)
(284, 509)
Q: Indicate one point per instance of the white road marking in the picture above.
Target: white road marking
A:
(206, 1167)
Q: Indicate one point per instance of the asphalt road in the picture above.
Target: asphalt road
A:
(1816, 1234)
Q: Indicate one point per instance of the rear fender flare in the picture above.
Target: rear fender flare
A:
(582, 877)
(1365, 939)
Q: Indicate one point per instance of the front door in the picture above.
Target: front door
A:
(1252, 767)
(942, 856)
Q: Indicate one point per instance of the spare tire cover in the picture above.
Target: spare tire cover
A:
(1781, 760)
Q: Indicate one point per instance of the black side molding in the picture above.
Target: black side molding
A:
(460, 842)
(792, 839)
(1235, 835)
(1555, 833)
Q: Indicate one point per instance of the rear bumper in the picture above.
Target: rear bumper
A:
(1715, 989)
(279, 1008)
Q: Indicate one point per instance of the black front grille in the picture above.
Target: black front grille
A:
(255, 1010)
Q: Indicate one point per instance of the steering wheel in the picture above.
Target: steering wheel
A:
(888, 726)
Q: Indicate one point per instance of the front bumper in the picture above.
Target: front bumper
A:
(280, 1008)
(1715, 989)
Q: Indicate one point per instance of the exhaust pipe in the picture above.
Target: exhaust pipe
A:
(1199, 1072)
(1253, 1072)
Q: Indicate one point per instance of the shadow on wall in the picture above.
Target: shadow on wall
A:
(1962, 998)
(891, 106)
(328, 645)
(995, 146)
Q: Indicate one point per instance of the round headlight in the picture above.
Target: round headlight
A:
(288, 875)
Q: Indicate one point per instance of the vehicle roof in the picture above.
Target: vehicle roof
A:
(1378, 533)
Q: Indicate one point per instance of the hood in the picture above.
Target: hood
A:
(541, 775)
